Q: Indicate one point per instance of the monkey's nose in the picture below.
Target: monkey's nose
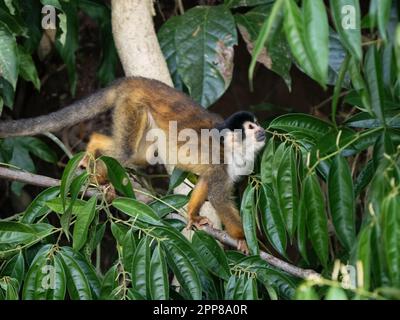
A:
(260, 135)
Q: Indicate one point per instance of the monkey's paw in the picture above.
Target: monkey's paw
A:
(242, 246)
(198, 222)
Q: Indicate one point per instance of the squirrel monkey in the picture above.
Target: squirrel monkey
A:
(140, 105)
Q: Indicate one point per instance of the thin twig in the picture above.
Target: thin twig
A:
(180, 7)
(59, 143)
(328, 100)
(220, 235)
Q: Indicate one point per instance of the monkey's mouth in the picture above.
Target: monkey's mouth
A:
(260, 135)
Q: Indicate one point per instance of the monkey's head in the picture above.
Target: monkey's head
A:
(243, 138)
(244, 125)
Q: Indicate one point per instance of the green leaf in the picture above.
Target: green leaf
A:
(15, 268)
(302, 228)
(268, 29)
(141, 267)
(310, 126)
(205, 39)
(249, 221)
(317, 222)
(230, 287)
(137, 210)
(83, 283)
(96, 234)
(365, 120)
(364, 178)
(73, 184)
(383, 14)
(337, 54)
(69, 175)
(7, 92)
(360, 85)
(245, 3)
(374, 82)
(45, 279)
(250, 289)
(8, 56)
(38, 207)
(13, 234)
(56, 205)
(275, 54)
(83, 221)
(294, 26)
(167, 204)
(335, 293)
(38, 148)
(10, 286)
(278, 156)
(167, 38)
(177, 177)
(317, 36)
(10, 6)
(346, 15)
(212, 254)
(391, 236)
(383, 145)
(119, 232)
(184, 271)
(173, 238)
(306, 292)
(338, 86)
(12, 23)
(282, 283)
(272, 221)
(159, 285)
(27, 68)
(287, 190)
(341, 201)
(266, 162)
(128, 248)
(78, 284)
(118, 177)
(109, 283)
(397, 51)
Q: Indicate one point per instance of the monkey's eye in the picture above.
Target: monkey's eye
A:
(251, 127)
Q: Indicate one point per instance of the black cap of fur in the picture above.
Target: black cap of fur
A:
(236, 121)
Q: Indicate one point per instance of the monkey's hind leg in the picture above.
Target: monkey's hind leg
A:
(197, 199)
(131, 122)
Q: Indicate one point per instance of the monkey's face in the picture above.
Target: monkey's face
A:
(254, 134)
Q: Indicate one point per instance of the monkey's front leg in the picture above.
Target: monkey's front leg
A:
(197, 199)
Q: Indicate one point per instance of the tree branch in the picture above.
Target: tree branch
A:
(37, 180)
(222, 236)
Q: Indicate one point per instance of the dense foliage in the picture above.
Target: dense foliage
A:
(324, 195)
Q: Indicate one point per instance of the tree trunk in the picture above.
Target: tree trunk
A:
(136, 40)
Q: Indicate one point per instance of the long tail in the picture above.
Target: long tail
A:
(81, 110)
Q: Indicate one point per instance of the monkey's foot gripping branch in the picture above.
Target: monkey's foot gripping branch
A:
(222, 236)
(198, 222)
